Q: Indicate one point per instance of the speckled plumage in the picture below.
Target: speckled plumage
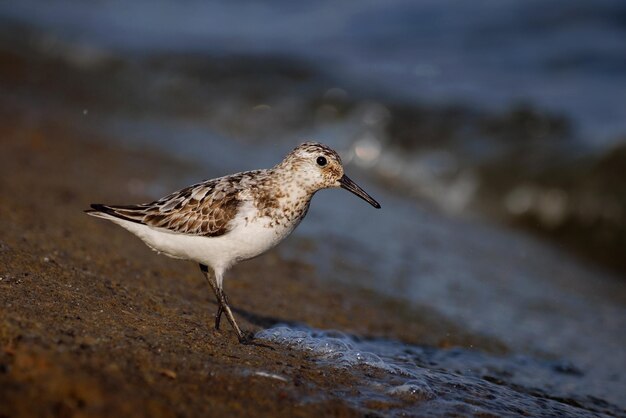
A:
(222, 221)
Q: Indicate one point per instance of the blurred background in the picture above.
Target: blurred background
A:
(493, 132)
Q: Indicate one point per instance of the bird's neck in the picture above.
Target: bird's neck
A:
(289, 194)
(294, 186)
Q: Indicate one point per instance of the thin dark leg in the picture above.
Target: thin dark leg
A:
(231, 318)
(222, 302)
(216, 291)
(218, 316)
(220, 310)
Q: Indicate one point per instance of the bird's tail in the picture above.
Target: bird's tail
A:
(98, 210)
(108, 212)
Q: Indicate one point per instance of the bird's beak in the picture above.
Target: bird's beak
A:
(351, 186)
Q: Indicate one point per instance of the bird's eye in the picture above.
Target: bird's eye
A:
(321, 161)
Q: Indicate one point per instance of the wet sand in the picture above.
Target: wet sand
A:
(93, 323)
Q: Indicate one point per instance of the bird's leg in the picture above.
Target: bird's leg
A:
(216, 291)
(231, 318)
(220, 310)
(222, 302)
(218, 315)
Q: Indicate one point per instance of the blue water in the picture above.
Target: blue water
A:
(564, 55)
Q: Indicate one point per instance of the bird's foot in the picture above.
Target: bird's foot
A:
(246, 337)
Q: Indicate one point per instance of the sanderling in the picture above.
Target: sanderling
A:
(220, 222)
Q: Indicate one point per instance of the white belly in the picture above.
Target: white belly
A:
(246, 240)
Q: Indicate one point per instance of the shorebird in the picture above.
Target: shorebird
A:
(218, 223)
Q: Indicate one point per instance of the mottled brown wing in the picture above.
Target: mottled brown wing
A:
(205, 209)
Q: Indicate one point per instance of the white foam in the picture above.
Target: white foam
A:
(337, 348)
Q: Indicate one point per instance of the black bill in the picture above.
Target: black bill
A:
(349, 185)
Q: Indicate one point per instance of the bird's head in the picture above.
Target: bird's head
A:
(317, 166)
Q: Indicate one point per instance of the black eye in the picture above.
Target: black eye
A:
(321, 161)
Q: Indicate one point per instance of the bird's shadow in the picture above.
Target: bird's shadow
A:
(263, 321)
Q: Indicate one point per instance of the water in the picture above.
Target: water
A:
(566, 55)
(434, 382)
